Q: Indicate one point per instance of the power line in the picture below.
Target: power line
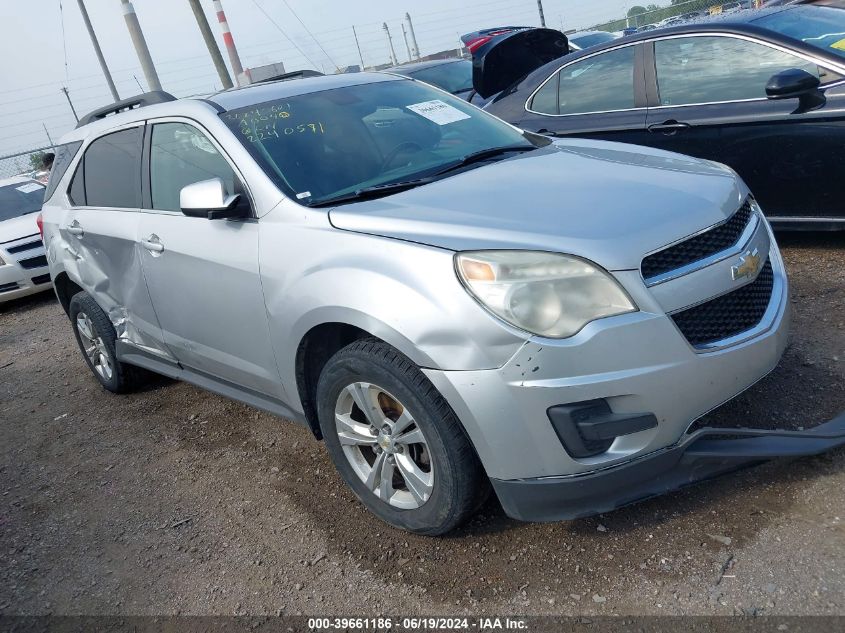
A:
(64, 39)
(282, 31)
(310, 33)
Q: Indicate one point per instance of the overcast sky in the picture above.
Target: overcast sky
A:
(45, 45)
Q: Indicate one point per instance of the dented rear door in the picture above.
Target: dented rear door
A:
(100, 231)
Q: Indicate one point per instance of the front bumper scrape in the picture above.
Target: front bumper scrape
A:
(702, 455)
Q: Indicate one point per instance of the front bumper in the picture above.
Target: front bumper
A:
(23, 272)
(702, 455)
(640, 376)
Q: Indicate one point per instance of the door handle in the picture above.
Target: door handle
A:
(75, 228)
(153, 244)
(670, 127)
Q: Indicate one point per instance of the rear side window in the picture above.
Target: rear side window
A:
(64, 157)
(109, 175)
(602, 83)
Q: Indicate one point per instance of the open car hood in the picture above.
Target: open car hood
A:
(503, 55)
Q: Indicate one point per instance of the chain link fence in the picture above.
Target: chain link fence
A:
(23, 163)
(645, 14)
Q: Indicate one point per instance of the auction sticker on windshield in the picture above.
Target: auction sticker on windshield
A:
(29, 187)
(438, 111)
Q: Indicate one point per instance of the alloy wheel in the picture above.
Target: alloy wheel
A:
(93, 346)
(384, 445)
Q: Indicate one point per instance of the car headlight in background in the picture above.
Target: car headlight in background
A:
(546, 294)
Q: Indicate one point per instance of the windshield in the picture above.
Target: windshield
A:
(20, 199)
(325, 144)
(822, 27)
(455, 77)
(591, 39)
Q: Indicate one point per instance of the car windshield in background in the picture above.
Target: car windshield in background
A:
(323, 145)
(20, 199)
(591, 39)
(822, 27)
(454, 77)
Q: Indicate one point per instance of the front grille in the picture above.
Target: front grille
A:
(730, 314)
(9, 287)
(20, 248)
(41, 279)
(697, 248)
(34, 262)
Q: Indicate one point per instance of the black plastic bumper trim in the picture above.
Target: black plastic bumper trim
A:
(696, 458)
(588, 428)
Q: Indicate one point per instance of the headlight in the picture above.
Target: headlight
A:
(2, 263)
(543, 293)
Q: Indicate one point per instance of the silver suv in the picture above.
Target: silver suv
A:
(445, 300)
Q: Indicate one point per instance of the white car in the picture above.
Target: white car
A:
(23, 263)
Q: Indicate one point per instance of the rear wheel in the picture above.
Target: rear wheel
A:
(396, 441)
(96, 337)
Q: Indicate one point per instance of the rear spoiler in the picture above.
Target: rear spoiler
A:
(501, 56)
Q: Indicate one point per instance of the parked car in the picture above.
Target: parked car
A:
(824, 3)
(731, 7)
(446, 300)
(451, 75)
(588, 39)
(23, 265)
(761, 91)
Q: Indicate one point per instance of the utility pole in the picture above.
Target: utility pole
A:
(70, 103)
(393, 59)
(210, 44)
(363, 65)
(234, 58)
(140, 43)
(416, 48)
(97, 50)
(407, 46)
(542, 17)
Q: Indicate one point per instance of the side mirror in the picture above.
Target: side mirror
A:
(795, 83)
(208, 199)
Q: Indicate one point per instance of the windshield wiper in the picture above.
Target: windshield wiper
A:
(483, 155)
(378, 191)
(368, 193)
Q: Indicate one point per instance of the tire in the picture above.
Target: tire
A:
(429, 486)
(99, 340)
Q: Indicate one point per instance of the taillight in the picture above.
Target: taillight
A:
(40, 222)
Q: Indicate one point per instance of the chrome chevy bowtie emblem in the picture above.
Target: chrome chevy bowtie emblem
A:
(748, 265)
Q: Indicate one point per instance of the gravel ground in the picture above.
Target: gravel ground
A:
(175, 500)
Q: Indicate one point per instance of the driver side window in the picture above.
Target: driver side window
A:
(713, 69)
(181, 155)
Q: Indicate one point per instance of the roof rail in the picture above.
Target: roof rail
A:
(296, 74)
(124, 105)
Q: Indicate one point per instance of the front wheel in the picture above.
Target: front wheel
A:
(396, 442)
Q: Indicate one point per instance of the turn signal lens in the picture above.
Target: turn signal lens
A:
(477, 271)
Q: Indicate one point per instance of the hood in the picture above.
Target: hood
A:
(16, 228)
(607, 202)
(503, 55)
